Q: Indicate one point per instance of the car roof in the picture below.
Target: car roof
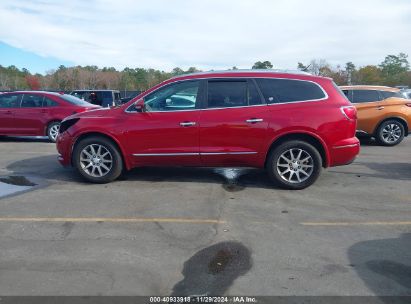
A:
(369, 87)
(98, 90)
(35, 92)
(271, 73)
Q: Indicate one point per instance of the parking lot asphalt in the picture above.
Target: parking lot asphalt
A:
(164, 231)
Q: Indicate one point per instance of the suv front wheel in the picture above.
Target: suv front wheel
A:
(294, 164)
(97, 159)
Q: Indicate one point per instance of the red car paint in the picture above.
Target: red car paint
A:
(221, 136)
(33, 121)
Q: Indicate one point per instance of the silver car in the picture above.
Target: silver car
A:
(406, 93)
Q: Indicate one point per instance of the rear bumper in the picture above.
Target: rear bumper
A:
(344, 152)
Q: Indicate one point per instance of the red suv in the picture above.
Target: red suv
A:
(37, 113)
(290, 124)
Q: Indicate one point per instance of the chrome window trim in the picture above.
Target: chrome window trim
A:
(326, 96)
(196, 153)
(228, 153)
(165, 154)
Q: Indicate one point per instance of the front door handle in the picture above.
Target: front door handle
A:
(254, 120)
(8, 112)
(380, 108)
(187, 123)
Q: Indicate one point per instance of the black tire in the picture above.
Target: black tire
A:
(52, 128)
(80, 163)
(390, 133)
(290, 180)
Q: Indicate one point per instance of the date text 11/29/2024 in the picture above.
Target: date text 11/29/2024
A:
(203, 299)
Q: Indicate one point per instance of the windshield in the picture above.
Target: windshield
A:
(74, 100)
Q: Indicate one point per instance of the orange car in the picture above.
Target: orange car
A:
(382, 112)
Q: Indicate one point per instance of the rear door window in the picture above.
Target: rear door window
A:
(227, 93)
(32, 101)
(289, 90)
(361, 96)
(232, 93)
(253, 96)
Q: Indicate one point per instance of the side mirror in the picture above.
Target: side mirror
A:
(139, 106)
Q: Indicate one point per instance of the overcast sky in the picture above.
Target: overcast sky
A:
(207, 34)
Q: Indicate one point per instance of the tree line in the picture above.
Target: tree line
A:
(393, 71)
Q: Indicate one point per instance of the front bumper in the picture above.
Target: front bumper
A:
(344, 152)
(64, 145)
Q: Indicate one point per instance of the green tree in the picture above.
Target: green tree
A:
(369, 74)
(349, 69)
(262, 65)
(394, 69)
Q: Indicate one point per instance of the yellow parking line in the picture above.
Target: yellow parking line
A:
(394, 223)
(110, 220)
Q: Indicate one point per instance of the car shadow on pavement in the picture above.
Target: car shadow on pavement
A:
(368, 141)
(212, 270)
(231, 179)
(390, 171)
(384, 266)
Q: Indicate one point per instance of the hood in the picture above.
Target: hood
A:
(94, 112)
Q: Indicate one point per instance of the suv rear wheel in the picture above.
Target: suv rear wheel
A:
(294, 164)
(97, 159)
(390, 133)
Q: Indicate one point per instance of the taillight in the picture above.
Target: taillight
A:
(350, 112)
(408, 105)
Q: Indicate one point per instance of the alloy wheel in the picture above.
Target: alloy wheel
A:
(54, 131)
(391, 133)
(295, 165)
(96, 160)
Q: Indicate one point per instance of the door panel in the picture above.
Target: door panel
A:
(9, 104)
(233, 136)
(369, 109)
(30, 117)
(160, 139)
(369, 114)
(167, 132)
(234, 126)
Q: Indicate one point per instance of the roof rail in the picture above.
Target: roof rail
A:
(247, 70)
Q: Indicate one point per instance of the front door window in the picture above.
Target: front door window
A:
(174, 97)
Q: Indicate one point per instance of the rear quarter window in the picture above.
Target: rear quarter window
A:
(388, 94)
(289, 90)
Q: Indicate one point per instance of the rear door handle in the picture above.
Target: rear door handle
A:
(254, 120)
(8, 112)
(380, 108)
(187, 123)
